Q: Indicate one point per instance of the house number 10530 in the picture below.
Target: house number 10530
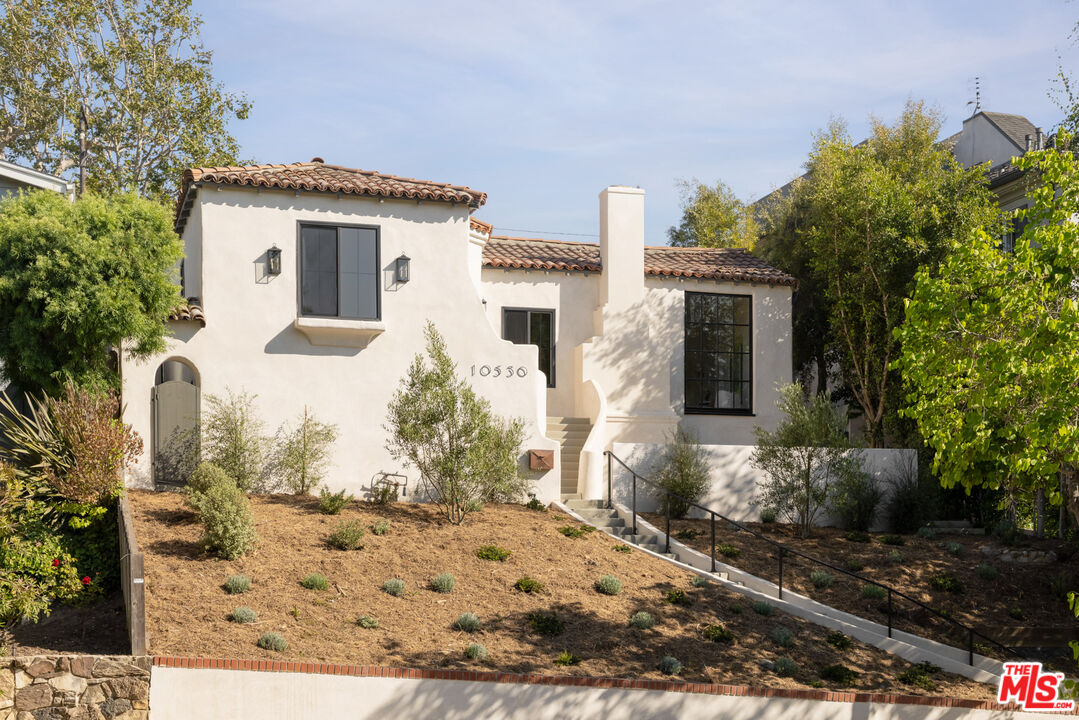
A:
(499, 371)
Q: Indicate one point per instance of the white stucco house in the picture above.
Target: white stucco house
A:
(310, 284)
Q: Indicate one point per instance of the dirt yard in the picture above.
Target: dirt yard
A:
(188, 609)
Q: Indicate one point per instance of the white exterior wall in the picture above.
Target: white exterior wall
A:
(981, 141)
(250, 343)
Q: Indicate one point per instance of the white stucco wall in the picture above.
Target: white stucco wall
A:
(982, 141)
(250, 343)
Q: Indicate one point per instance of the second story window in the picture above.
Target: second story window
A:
(339, 272)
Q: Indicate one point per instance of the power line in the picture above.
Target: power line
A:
(547, 232)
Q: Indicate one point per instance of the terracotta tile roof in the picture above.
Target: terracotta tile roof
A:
(189, 309)
(703, 263)
(480, 226)
(317, 176)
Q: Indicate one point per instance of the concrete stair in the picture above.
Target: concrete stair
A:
(571, 434)
(618, 523)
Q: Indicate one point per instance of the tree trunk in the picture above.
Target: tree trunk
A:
(1039, 513)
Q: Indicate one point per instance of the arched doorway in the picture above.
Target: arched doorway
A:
(175, 408)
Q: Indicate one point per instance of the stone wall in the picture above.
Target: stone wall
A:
(77, 687)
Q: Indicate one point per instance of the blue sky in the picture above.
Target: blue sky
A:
(543, 104)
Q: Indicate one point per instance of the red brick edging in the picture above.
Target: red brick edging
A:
(573, 681)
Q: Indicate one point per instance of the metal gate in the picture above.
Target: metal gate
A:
(175, 408)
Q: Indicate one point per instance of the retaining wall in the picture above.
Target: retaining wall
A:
(76, 687)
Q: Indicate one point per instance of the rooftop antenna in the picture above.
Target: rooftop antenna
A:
(977, 101)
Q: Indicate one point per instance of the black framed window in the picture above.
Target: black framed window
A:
(1016, 228)
(339, 272)
(719, 353)
(532, 327)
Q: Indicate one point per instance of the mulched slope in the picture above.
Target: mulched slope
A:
(188, 609)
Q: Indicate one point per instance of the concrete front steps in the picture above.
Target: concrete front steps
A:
(617, 522)
(571, 433)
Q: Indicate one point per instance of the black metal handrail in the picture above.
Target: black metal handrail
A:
(782, 550)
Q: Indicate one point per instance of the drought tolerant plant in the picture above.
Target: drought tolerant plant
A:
(892, 540)
(803, 457)
(857, 536)
(677, 596)
(986, 571)
(331, 503)
(782, 636)
(762, 608)
(895, 557)
(244, 615)
(855, 498)
(874, 592)
(785, 667)
(315, 581)
(1059, 584)
(927, 533)
(492, 552)
(469, 622)
(717, 633)
(394, 587)
(229, 525)
(682, 471)
(437, 423)
(838, 674)
(954, 548)
(546, 624)
(920, 674)
(273, 641)
(624, 549)
(381, 526)
(609, 585)
(734, 609)
(237, 584)
(528, 585)
(768, 515)
(727, 550)
(348, 535)
(821, 579)
(688, 534)
(575, 531)
(443, 583)
(642, 620)
(1017, 613)
(670, 665)
(475, 651)
(303, 452)
(367, 622)
(535, 504)
(854, 565)
(232, 437)
(205, 476)
(699, 581)
(947, 583)
(838, 640)
(566, 658)
(1006, 533)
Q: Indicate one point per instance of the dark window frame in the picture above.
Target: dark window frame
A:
(300, 225)
(691, 410)
(528, 324)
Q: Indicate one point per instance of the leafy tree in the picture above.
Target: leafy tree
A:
(803, 457)
(77, 279)
(712, 217)
(232, 437)
(683, 471)
(988, 347)
(438, 424)
(143, 76)
(305, 453)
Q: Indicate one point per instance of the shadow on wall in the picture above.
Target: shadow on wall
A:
(290, 341)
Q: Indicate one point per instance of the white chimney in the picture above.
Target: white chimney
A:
(621, 246)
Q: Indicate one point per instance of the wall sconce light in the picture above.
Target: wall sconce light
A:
(273, 261)
(401, 270)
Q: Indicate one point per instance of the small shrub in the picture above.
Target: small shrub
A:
(838, 640)
(566, 658)
(785, 667)
(688, 534)
(782, 636)
(384, 494)
(919, 675)
(670, 665)
(528, 585)
(205, 476)
(535, 504)
(302, 454)
(1006, 533)
(237, 584)
(855, 497)
(394, 587)
(816, 684)
(727, 550)
(332, 503)
(892, 540)
(492, 552)
(623, 548)
(546, 624)
(717, 633)
(858, 536)
(381, 526)
(946, 582)
(838, 674)
(821, 579)
(895, 557)
(469, 622)
(348, 535)
(700, 581)
(954, 549)
(734, 609)
(1017, 613)
(443, 583)
(609, 585)
(367, 622)
(1059, 584)
(683, 471)
(854, 565)
(768, 515)
(762, 608)
(986, 571)
(475, 651)
(272, 641)
(642, 620)
(678, 597)
(874, 592)
(314, 581)
(226, 517)
(908, 505)
(927, 533)
(244, 615)
(575, 531)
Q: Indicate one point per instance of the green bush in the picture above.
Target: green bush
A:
(855, 497)
(626, 549)
(468, 622)
(688, 534)
(332, 503)
(920, 675)
(394, 587)
(642, 620)
(874, 592)
(986, 571)
(1006, 533)
(475, 651)
(367, 622)
(528, 585)
(892, 540)
(838, 674)
(927, 533)
(381, 526)
(609, 585)
(734, 609)
(670, 665)
(227, 520)
(762, 608)
(205, 476)
(838, 640)
(273, 641)
(244, 615)
(315, 581)
(858, 536)
(728, 551)
(302, 455)
(854, 565)
(699, 581)
(946, 582)
(1017, 613)
(566, 658)
(895, 557)
(443, 583)
(782, 636)
(954, 549)
(535, 504)
(909, 505)
(492, 552)
(232, 437)
(683, 471)
(785, 667)
(717, 633)
(237, 584)
(821, 579)
(546, 624)
(348, 535)
(768, 515)
(678, 597)
(575, 531)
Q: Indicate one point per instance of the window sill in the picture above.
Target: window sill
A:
(338, 332)
(718, 411)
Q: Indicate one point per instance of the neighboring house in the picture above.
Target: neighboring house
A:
(310, 284)
(14, 178)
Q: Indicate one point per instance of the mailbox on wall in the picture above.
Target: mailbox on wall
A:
(541, 459)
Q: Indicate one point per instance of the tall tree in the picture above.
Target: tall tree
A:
(138, 71)
(712, 217)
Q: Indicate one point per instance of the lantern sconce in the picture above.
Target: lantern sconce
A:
(273, 261)
(401, 269)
